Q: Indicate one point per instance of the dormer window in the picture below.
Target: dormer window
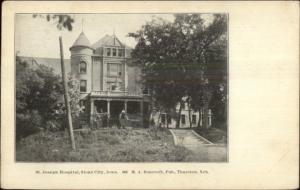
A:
(108, 52)
(114, 52)
(82, 67)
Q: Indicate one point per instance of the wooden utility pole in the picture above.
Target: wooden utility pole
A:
(66, 95)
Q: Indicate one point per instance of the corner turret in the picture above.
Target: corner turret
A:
(81, 62)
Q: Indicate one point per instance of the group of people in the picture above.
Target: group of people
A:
(104, 120)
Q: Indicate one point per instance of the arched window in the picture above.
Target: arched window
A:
(82, 67)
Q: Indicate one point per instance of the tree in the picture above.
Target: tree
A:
(217, 74)
(62, 21)
(38, 98)
(175, 58)
(74, 98)
(37, 90)
(74, 95)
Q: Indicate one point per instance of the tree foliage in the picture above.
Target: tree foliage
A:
(74, 97)
(37, 90)
(184, 58)
(39, 98)
(62, 21)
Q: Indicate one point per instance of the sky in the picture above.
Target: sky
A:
(35, 37)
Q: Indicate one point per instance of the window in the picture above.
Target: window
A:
(194, 119)
(114, 69)
(120, 52)
(108, 52)
(145, 90)
(113, 87)
(182, 119)
(82, 67)
(163, 118)
(114, 52)
(82, 85)
(82, 105)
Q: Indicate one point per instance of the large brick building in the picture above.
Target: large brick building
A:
(105, 83)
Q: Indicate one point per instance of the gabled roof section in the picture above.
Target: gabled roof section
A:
(53, 63)
(108, 40)
(82, 41)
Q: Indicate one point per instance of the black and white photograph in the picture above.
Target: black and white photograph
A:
(121, 87)
(150, 95)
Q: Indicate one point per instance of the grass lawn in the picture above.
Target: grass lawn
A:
(105, 145)
(214, 135)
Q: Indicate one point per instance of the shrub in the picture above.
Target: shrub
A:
(86, 137)
(27, 124)
(99, 120)
(54, 125)
(158, 133)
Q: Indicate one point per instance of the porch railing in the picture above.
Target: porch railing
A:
(117, 93)
(100, 120)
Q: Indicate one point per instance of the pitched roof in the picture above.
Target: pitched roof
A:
(53, 63)
(108, 40)
(82, 40)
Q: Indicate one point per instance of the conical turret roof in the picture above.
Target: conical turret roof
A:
(82, 41)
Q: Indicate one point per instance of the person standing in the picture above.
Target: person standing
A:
(122, 119)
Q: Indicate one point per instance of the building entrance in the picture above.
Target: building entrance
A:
(115, 108)
(133, 107)
(101, 106)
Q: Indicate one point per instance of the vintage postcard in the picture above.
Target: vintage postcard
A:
(150, 95)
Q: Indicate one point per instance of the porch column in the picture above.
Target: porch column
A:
(142, 112)
(92, 112)
(125, 106)
(108, 107)
(209, 118)
(92, 107)
(201, 117)
(142, 107)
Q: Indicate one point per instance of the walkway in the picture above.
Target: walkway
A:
(199, 145)
(188, 138)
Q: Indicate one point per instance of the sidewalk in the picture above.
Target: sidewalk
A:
(199, 145)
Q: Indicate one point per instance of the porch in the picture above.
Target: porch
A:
(111, 103)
